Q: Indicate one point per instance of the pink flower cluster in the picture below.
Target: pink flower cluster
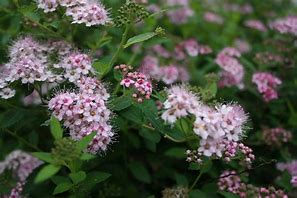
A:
(219, 128)
(213, 18)
(84, 112)
(233, 71)
(276, 136)
(181, 13)
(267, 84)
(242, 46)
(90, 12)
(22, 165)
(229, 181)
(28, 63)
(190, 47)
(285, 25)
(243, 9)
(137, 80)
(255, 24)
(75, 65)
(168, 74)
(291, 167)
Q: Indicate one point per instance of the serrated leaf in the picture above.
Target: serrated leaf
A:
(46, 172)
(56, 128)
(121, 103)
(84, 142)
(140, 172)
(140, 38)
(78, 177)
(63, 187)
(46, 157)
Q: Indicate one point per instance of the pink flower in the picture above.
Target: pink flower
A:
(213, 18)
(47, 5)
(285, 25)
(255, 24)
(181, 14)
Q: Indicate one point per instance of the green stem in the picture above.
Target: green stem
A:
(174, 140)
(22, 140)
(196, 180)
(120, 48)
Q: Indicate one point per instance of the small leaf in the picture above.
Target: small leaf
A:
(87, 156)
(84, 142)
(94, 178)
(46, 157)
(176, 152)
(102, 66)
(60, 179)
(78, 177)
(63, 187)
(56, 128)
(197, 193)
(47, 172)
(121, 103)
(140, 38)
(140, 172)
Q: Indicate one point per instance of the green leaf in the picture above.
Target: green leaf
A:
(150, 135)
(228, 195)
(87, 156)
(46, 172)
(102, 66)
(94, 178)
(60, 179)
(140, 38)
(63, 187)
(78, 177)
(56, 128)
(46, 157)
(181, 180)
(197, 193)
(140, 172)
(84, 142)
(121, 103)
(176, 152)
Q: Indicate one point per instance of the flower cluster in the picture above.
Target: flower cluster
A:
(291, 167)
(233, 71)
(219, 128)
(276, 136)
(285, 25)
(22, 165)
(242, 46)
(90, 12)
(266, 84)
(28, 63)
(168, 74)
(85, 112)
(243, 9)
(75, 65)
(137, 80)
(213, 18)
(190, 47)
(231, 182)
(181, 14)
(255, 24)
(175, 192)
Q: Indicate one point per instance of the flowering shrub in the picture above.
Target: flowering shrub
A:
(148, 98)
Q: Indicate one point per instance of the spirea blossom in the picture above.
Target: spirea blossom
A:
(242, 46)
(91, 13)
(219, 128)
(276, 136)
(182, 12)
(229, 181)
(267, 85)
(232, 71)
(75, 66)
(84, 112)
(255, 24)
(291, 167)
(22, 165)
(285, 25)
(136, 80)
(213, 18)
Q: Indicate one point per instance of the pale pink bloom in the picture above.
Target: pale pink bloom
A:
(181, 14)
(213, 18)
(161, 51)
(294, 181)
(47, 5)
(285, 25)
(255, 24)
(242, 45)
(276, 136)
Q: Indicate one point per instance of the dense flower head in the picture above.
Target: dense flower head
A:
(84, 112)
(219, 128)
(276, 136)
(213, 18)
(255, 24)
(230, 181)
(136, 80)
(232, 71)
(75, 66)
(242, 46)
(291, 167)
(91, 13)
(285, 25)
(266, 85)
(181, 14)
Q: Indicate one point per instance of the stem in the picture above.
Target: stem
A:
(120, 48)
(196, 180)
(22, 140)
(174, 140)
